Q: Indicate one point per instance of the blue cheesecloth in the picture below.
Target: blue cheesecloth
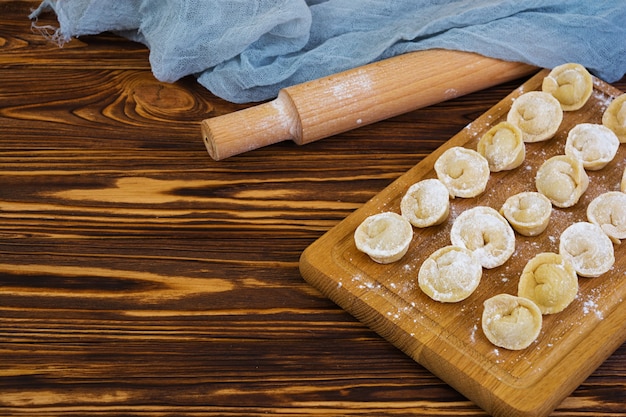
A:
(247, 50)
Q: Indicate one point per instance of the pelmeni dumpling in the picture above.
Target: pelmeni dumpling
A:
(384, 237)
(426, 203)
(594, 144)
(450, 274)
(571, 84)
(550, 281)
(588, 248)
(503, 147)
(614, 117)
(608, 210)
(463, 171)
(562, 179)
(527, 212)
(485, 232)
(511, 322)
(537, 114)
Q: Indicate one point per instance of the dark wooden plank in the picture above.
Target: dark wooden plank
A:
(138, 276)
(31, 45)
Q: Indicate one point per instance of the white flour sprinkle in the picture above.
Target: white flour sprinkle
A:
(590, 306)
(352, 86)
(473, 334)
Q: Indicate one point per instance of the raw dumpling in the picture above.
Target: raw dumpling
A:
(384, 237)
(485, 232)
(463, 171)
(571, 84)
(537, 114)
(550, 281)
(608, 211)
(426, 203)
(450, 274)
(562, 179)
(503, 147)
(614, 117)
(595, 145)
(527, 212)
(588, 248)
(511, 322)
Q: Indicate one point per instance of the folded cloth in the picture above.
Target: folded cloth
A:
(246, 51)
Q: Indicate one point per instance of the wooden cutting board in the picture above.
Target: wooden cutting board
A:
(447, 338)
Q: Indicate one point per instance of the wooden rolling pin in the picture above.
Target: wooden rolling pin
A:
(327, 106)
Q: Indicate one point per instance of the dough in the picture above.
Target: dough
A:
(511, 322)
(527, 212)
(463, 171)
(426, 203)
(571, 84)
(503, 147)
(588, 248)
(537, 114)
(450, 274)
(549, 281)
(384, 237)
(562, 179)
(485, 232)
(608, 211)
(594, 144)
(614, 117)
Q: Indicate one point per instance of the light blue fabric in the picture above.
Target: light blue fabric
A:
(247, 50)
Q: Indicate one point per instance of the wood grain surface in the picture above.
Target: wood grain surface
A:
(140, 277)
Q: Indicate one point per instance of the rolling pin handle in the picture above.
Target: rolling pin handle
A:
(251, 128)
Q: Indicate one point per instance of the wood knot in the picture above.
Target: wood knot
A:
(160, 100)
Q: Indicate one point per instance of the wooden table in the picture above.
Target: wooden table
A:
(140, 277)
